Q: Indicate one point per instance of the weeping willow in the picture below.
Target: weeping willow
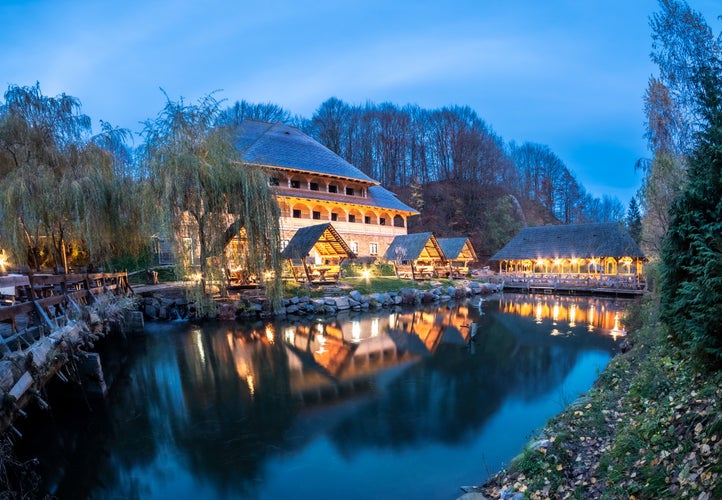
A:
(202, 193)
(60, 201)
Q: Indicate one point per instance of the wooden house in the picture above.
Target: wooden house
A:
(314, 185)
(459, 254)
(315, 253)
(604, 253)
(415, 255)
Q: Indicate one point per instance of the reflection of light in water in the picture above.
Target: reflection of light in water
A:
(616, 330)
(321, 343)
(555, 313)
(392, 319)
(250, 384)
(592, 310)
(539, 312)
(198, 341)
(573, 316)
(556, 332)
(269, 334)
(356, 330)
(375, 327)
(290, 335)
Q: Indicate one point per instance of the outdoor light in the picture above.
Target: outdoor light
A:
(365, 274)
(3, 261)
(268, 275)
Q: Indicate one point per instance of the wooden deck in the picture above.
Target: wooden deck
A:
(574, 284)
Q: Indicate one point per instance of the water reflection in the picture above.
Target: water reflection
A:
(233, 410)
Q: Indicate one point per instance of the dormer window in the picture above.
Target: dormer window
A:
(349, 191)
(332, 188)
(296, 184)
(313, 186)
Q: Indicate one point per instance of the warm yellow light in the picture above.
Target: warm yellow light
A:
(365, 274)
(574, 261)
(3, 260)
(198, 277)
(268, 275)
(539, 262)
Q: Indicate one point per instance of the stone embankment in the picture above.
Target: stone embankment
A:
(170, 304)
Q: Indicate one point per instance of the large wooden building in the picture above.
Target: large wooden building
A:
(313, 185)
(587, 250)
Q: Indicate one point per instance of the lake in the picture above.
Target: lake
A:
(397, 403)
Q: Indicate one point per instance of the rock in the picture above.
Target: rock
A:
(355, 295)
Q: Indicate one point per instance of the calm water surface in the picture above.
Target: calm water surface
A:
(380, 405)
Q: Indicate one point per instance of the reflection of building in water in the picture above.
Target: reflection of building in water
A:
(341, 358)
(571, 311)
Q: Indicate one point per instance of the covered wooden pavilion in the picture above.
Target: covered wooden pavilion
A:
(328, 248)
(459, 254)
(601, 254)
(415, 255)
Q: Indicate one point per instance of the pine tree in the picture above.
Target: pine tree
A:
(633, 220)
(691, 286)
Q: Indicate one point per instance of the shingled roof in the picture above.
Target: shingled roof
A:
(323, 237)
(571, 241)
(413, 247)
(457, 248)
(281, 146)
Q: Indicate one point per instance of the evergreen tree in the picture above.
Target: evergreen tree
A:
(634, 220)
(691, 286)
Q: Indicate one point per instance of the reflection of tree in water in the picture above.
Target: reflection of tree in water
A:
(450, 395)
(241, 416)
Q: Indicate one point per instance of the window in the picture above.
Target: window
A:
(313, 186)
(382, 221)
(332, 188)
(273, 181)
(398, 221)
(354, 246)
(316, 215)
(334, 217)
(367, 219)
(352, 218)
(349, 191)
(296, 184)
(373, 249)
(296, 213)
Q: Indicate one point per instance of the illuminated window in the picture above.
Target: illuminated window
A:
(354, 246)
(373, 249)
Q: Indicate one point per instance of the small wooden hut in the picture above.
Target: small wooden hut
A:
(327, 249)
(415, 255)
(459, 254)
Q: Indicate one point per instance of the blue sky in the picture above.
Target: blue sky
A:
(569, 74)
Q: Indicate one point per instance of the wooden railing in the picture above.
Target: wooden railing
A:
(37, 304)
